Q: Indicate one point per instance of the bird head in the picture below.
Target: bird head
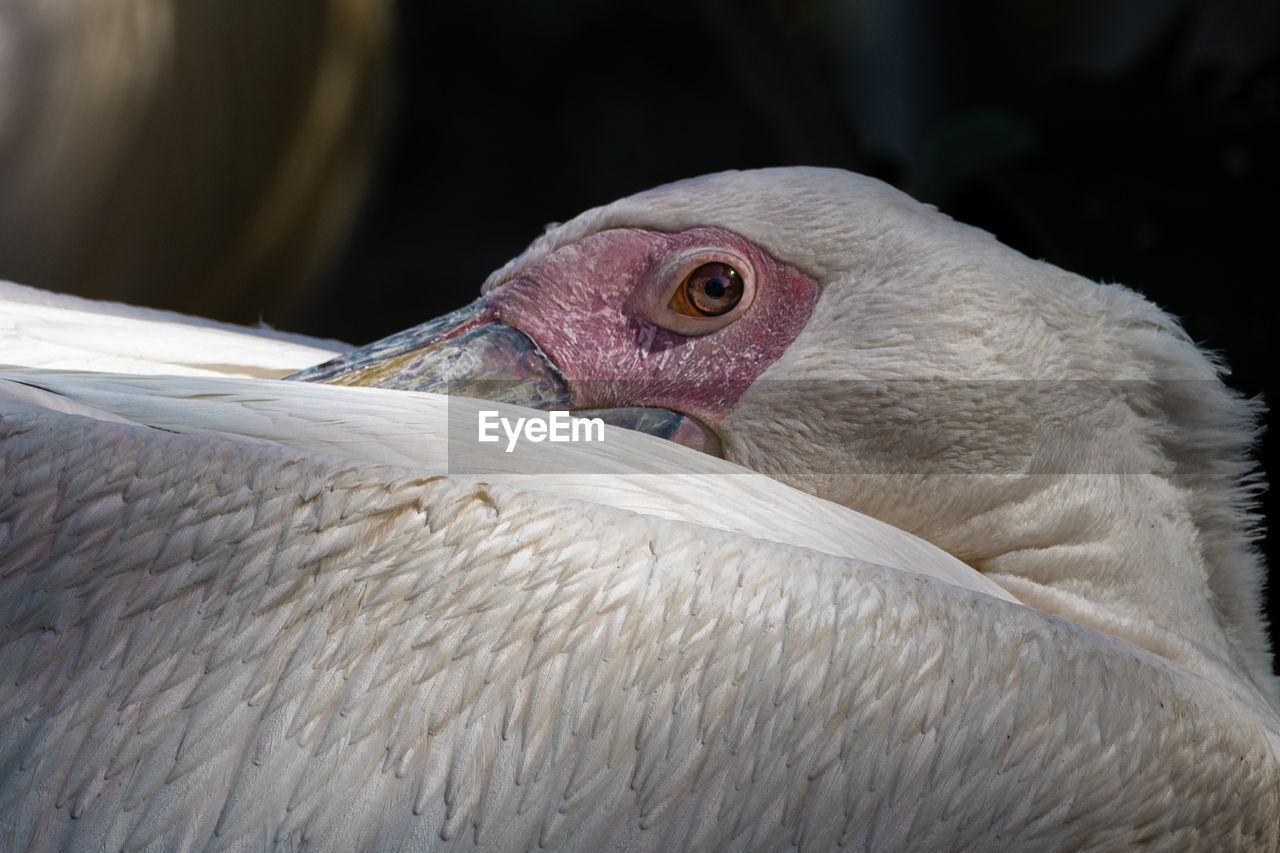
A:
(818, 326)
(821, 327)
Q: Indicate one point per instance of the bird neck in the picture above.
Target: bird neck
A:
(1130, 555)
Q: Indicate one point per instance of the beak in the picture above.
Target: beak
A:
(664, 423)
(466, 353)
(469, 353)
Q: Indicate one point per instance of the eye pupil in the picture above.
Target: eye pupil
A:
(710, 290)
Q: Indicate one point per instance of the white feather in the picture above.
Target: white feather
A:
(56, 331)
(380, 637)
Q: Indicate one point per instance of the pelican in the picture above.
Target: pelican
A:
(931, 546)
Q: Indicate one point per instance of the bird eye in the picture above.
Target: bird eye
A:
(709, 291)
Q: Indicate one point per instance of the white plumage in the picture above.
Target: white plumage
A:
(241, 613)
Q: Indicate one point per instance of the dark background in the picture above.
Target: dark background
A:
(1129, 142)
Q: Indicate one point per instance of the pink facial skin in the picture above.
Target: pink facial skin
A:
(598, 308)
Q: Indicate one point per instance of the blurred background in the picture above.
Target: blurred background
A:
(347, 168)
